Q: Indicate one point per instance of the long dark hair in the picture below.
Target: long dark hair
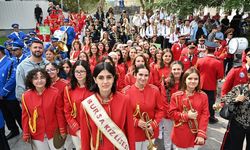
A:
(100, 67)
(30, 76)
(89, 79)
(66, 61)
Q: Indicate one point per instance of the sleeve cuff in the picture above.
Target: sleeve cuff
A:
(154, 124)
(202, 134)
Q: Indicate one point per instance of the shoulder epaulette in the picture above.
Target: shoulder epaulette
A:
(154, 87)
(178, 93)
(125, 89)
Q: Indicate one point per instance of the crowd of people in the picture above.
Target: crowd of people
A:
(120, 84)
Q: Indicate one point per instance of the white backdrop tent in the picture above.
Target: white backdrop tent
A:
(21, 12)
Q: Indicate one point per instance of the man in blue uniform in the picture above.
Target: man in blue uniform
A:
(16, 35)
(8, 102)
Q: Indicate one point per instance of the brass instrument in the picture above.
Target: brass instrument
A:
(62, 40)
(193, 123)
(144, 117)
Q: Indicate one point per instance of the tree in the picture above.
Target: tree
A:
(186, 7)
(86, 5)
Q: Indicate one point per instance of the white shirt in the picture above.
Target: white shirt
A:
(173, 38)
(186, 30)
(149, 31)
(2, 58)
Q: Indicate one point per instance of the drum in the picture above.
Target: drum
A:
(237, 45)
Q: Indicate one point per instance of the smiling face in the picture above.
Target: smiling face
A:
(176, 69)
(167, 57)
(142, 77)
(39, 80)
(192, 81)
(104, 81)
(36, 50)
(139, 61)
(50, 56)
(52, 71)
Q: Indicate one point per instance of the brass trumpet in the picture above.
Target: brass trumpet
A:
(144, 117)
(193, 128)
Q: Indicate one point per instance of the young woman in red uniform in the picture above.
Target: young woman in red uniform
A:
(170, 85)
(190, 113)
(75, 50)
(112, 59)
(129, 77)
(131, 56)
(94, 56)
(163, 71)
(66, 65)
(42, 111)
(59, 83)
(74, 94)
(114, 106)
(146, 102)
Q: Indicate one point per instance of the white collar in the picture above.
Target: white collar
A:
(2, 58)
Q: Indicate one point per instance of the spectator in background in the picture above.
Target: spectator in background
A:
(39, 14)
(50, 8)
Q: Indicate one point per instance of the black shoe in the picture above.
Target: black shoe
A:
(213, 120)
(12, 134)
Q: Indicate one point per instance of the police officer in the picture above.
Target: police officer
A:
(8, 102)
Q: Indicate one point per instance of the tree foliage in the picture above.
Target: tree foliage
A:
(86, 5)
(186, 7)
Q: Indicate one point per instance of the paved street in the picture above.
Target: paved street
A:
(215, 136)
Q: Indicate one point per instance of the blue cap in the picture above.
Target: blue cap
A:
(2, 48)
(32, 33)
(26, 37)
(54, 39)
(17, 45)
(211, 45)
(66, 20)
(15, 25)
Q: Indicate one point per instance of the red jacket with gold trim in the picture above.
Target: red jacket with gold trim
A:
(179, 102)
(149, 100)
(49, 107)
(119, 110)
(76, 96)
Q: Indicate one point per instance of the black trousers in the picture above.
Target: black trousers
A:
(228, 64)
(211, 101)
(166, 44)
(4, 145)
(11, 112)
(234, 137)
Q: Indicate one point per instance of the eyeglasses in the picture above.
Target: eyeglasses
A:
(50, 70)
(80, 72)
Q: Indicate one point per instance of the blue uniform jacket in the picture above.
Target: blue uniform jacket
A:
(13, 36)
(7, 79)
(70, 32)
(1, 120)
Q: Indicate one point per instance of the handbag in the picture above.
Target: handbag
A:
(58, 140)
(226, 111)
